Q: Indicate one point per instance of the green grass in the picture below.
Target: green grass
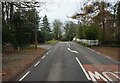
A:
(52, 41)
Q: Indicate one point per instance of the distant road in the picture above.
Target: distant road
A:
(69, 61)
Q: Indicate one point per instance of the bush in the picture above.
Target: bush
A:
(84, 44)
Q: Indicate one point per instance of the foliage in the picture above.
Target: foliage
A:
(84, 44)
(103, 14)
(81, 31)
(118, 24)
(57, 24)
(70, 31)
(45, 30)
(91, 32)
(52, 41)
(19, 23)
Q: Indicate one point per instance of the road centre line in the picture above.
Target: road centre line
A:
(24, 76)
(68, 44)
(72, 51)
(37, 63)
(86, 74)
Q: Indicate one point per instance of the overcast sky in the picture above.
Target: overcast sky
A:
(60, 9)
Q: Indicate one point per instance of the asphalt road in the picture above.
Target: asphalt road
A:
(69, 61)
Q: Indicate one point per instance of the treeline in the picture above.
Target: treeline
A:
(19, 22)
(98, 20)
(22, 25)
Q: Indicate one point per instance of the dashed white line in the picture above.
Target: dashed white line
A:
(98, 52)
(24, 76)
(37, 63)
(94, 51)
(48, 52)
(43, 57)
(86, 74)
(72, 51)
(91, 49)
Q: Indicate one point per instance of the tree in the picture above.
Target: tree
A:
(19, 21)
(45, 29)
(81, 31)
(100, 13)
(91, 32)
(57, 24)
(70, 30)
(118, 23)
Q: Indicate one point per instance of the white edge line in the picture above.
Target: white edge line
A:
(98, 52)
(24, 76)
(37, 63)
(104, 56)
(48, 52)
(43, 57)
(86, 74)
(94, 51)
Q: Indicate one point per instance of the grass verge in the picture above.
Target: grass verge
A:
(14, 64)
(52, 41)
(84, 44)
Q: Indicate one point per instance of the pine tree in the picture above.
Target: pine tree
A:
(45, 29)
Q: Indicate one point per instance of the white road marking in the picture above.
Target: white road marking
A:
(24, 76)
(98, 52)
(43, 57)
(116, 72)
(48, 52)
(97, 75)
(72, 51)
(91, 49)
(37, 63)
(104, 56)
(94, 50)
(68, 44)
(86, 74)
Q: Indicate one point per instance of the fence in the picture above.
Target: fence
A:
(89, 42)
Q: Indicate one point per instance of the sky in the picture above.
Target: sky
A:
(62, 9)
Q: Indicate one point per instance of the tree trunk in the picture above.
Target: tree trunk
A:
(3, 11)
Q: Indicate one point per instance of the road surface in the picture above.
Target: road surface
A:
(69, 61)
